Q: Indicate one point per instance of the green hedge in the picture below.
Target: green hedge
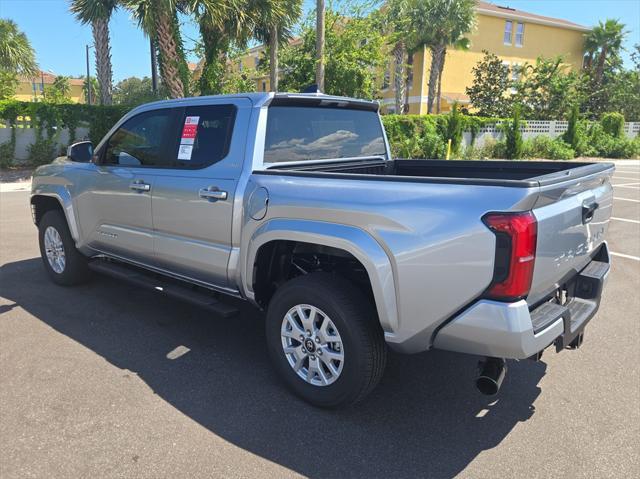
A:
(47, 119)
(426, 136)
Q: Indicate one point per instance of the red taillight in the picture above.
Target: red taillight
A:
(516, 237)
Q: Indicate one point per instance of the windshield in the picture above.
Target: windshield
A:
(297, 133)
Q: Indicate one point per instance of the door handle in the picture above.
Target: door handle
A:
(140, 185)
(212, 193)
(588, 210)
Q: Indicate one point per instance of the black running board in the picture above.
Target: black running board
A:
(199, 297)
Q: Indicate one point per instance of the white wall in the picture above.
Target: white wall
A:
(538, 127)
(26, 136)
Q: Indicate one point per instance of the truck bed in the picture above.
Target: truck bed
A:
(497, 173)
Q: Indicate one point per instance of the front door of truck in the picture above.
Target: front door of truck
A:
(115, 207)
(193, 201)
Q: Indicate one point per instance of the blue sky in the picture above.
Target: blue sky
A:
(59, 41)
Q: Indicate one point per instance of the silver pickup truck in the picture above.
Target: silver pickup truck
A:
(294, 203)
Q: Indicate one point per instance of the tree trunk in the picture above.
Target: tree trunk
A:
(320, 44)
(440, 70)
(602, 58)
(214, 62)
(100, 29)
(433, 76)
(168, 54)
(398, 53)
(407, 84)
(273, 58)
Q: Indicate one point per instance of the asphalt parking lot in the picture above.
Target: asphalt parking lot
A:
(105, 380)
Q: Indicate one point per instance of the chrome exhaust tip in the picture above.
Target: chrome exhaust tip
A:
(491, 374)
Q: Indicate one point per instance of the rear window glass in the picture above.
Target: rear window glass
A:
(296, 133)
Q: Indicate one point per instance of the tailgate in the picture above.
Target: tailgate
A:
(573, 218)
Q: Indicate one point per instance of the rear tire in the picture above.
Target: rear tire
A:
(64, 264)
(330, 332)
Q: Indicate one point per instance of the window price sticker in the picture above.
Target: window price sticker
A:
(184, 152)
(189, 133)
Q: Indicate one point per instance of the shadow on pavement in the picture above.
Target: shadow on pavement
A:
(425, 418)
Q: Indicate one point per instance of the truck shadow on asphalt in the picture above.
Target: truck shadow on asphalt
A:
(425, 418)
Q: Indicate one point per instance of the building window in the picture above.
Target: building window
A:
(519, 34)
(240, 65)
(256, 61)
(508, 28)
(264, 85)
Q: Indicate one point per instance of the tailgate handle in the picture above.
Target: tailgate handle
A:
(588, 211)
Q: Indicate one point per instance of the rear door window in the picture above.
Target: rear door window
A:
(205, 135)
(302, 133)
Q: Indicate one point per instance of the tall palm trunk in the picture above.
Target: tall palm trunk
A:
(320, 44)
(273, 58)
(398, 54)
(408, 84)
(100, 29)
(169, 54)
(440, 70)
(434, 70)
(602, 58)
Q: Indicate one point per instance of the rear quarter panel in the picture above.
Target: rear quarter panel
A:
(440, 252)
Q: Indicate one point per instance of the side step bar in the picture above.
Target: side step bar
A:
(145, 280)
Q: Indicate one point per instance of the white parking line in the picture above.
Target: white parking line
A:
(630, 187)
(624, 178)
(625, 199)
(628, 184)
(625, 220)
(628, 256)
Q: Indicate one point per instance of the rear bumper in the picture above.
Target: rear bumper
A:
(511, 330)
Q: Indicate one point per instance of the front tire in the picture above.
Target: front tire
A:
(64, 264)
(324, 340)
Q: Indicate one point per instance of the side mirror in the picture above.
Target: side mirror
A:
(80, 152)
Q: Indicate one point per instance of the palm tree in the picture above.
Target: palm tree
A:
(222, 23)
(158, 19)
(61, 85)
(98, 13)
(400, 25)
(604, 43)
(16, 54)
(438, 24)
(460, 44)
(320, 12)
(275, 18)
(90, 85)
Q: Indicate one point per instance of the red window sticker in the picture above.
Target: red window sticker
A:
(189, 130)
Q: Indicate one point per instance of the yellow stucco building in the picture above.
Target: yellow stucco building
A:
(33, 89)
(515, 36)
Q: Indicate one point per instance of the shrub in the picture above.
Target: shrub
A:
(545, 147)
(513, 136)
(572, 135)
(601, 143)
(414, 136)
(41, 152)
(613, 124)
(6, 154)
(454, 124)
